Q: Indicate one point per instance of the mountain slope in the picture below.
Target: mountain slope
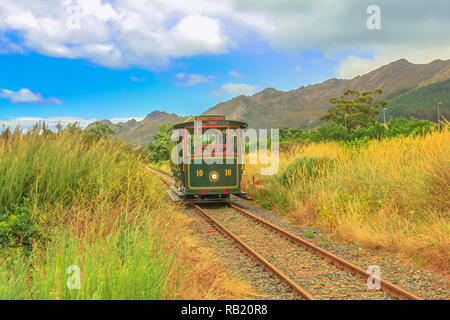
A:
(271, 107)
(139, 133)
(422, 102)
(411, 90)
(144, 131)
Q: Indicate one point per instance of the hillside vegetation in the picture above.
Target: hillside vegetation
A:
(391, 194)
(422, 102)
(295, 108)
(140, 133)
(408, 89)
(73, 198)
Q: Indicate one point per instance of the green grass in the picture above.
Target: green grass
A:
(74, 199)
(309, 234)
(120, 266)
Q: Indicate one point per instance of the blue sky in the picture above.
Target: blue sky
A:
(87, 60)
(92, 91)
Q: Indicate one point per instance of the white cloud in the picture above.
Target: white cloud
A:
(117, 34)
(137, 79)
(237, 89)
(7, 46)
(192, 79)
(236, 74)
(117, 120)
(352, 65)
(53, 100)
(25, 95)
(28, 122)
(149, 33)
(197, 34)
(415, 30)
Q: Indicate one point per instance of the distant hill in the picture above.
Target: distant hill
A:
(139, 133)
(411, 90)
(271, 107)
(422, 102)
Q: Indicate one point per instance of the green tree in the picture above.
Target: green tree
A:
(158, 149)
(355, 109)
(288, 134)
(101, 129)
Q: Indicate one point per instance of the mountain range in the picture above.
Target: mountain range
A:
(410, 89)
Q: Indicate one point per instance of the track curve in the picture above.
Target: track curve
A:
(286, 251)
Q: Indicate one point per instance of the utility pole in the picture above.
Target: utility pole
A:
(345, 119)
(439, 112)
(384, 116)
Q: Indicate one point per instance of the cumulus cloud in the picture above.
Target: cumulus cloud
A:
(28, 122)
(236, 74)
(352, 65)
(116, 34)
(25, 95)
(415, 30)
(149, 33)
(192, 79)
(236, 89)
(137, 79)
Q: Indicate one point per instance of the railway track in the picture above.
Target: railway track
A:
(309, 270)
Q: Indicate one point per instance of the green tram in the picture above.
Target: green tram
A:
(209, 159)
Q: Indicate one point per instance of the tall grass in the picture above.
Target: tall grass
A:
(71, 198)
(392, 194)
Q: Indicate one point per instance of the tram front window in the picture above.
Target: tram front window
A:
(212, 141)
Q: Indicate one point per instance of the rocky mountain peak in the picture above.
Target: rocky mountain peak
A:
(155, 115)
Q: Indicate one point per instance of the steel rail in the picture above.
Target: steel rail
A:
(333, 259)
(386, 286)
(252, 253)
(161, 171)
(270, 267)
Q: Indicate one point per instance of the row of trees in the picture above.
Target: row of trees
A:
(337, 132)
(352, 118)
(158, 149)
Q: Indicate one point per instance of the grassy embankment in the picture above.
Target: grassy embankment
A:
(392, 195)
(68, 198)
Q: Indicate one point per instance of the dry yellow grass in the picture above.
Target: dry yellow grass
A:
(391, 195)
(165, 166)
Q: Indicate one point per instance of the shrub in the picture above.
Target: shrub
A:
(304, 168)
(19, 227)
